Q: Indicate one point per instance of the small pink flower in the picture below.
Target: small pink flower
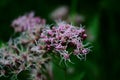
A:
(85, 51)
(76, 52)
(66, 56)
(60, 47)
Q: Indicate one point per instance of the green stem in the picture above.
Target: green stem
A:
(65, 72)
(73, 6)
(73, 10)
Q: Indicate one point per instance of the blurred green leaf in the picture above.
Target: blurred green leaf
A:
(3, 2)
(93, 27)
(79, 76)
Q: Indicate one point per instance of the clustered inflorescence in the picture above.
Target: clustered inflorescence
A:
(32, 49)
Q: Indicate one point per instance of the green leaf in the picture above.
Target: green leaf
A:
(93, 27)
(79, 77)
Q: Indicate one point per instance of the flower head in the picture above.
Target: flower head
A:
(66, 39)
(26, 22)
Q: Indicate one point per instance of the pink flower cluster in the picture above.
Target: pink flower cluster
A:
(27, 22)
(13, 60)
(65, 39)
(32, 49)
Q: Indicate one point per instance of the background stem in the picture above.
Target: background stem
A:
(73, 6)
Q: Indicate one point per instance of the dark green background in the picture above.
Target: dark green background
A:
(102, 19)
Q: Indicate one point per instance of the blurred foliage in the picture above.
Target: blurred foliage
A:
(101, 20)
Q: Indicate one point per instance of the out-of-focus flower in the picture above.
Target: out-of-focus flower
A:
(14, 60)
(60, 13)
(26, 22)
(76, 19)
